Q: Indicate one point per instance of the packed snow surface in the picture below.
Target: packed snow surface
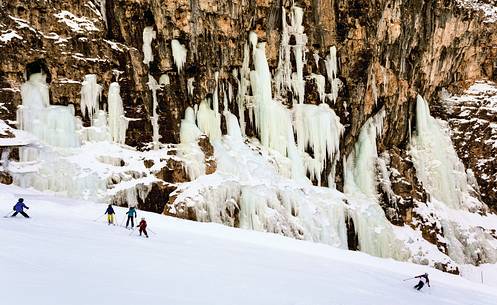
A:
(61, 255)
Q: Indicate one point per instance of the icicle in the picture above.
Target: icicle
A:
(298, 82)
(153, 86)
(332, 73)
(232, 126)
(374, 231)
(215, 95)
(230, 92)
(321, 85)
(271, 118)
(283, 74)
(164, 80)
(225, 98)
(90, 95)
(103, 11)
(243, 86)
(360, 175)
(319, 128)
(285, 78)
(190, 86)
(209, 121)
(148, 35)
(179, 54)
(189, 149)
(189, 132)
(117, 122)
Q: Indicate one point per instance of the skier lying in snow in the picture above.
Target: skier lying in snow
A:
(110, 214)
(19, 208)
(130, 213)
(423, 279)
(143, 227)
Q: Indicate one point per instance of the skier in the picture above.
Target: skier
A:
(130, 213)
(423, 279)
(143, 227)
(110, 214)
(18, 208)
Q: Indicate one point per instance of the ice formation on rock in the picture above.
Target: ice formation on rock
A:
(179, 54)
(443, 175)
(319, 128)
(188, 148)
(90, 95)
(285, 78)
(436, 161)
(103, 11)
(164, 80)
(209, 121)
(153, 86)
(148, 35)
(375, 233)
(360, 171)
(117, 122)
(190, 86)
(272, 119)
(332, 73)
(53, 125)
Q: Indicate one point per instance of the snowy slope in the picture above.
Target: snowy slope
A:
(62, 256)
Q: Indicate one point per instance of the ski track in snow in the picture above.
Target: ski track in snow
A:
(62, 256)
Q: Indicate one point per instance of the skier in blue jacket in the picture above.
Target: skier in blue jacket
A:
(19, 208)
(131, 212)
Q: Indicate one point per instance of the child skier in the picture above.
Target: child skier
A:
(130, 213)
(19, 208)
(423, 279)
(110, 214)
(143, 227)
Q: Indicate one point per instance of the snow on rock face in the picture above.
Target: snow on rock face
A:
(75, 23)
(8, 35)
(474, 133)
(489, 10)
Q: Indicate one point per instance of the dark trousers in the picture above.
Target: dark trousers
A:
(130, 218)
(419, 285)
(22, 213)
(144, 231)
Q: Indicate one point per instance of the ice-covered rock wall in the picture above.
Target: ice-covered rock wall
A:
(237, 112)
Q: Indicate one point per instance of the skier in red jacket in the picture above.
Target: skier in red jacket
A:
(143, 227)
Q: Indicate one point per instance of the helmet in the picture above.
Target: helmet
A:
(21, 199)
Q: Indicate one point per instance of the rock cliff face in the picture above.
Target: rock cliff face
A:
(388, 51)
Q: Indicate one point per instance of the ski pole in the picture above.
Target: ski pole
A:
(411, 278)
(122, 222)
(99, 217)
(9, 214)
(152, 231)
